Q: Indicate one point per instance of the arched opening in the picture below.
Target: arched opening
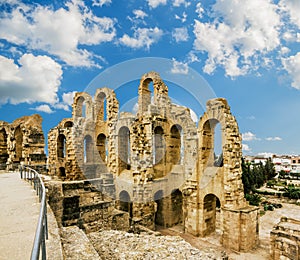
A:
(80, 107)
(102, 147)
(145, 95)
(218, 153)
(62, 172)
(159, 213)
(176, 206)
(88, 149)
(68, 124)
(175, 146)
(124, 149)
(61, 146)
(102, 105)
(19, 144)
(159, 145)
(3, 149)
(211, 214)
(125, 203)
(212, 143)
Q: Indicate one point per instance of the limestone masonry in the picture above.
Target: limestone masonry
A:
(157, 167)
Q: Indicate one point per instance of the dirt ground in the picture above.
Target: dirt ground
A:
(262, 252)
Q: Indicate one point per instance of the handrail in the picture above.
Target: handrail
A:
(41, 233)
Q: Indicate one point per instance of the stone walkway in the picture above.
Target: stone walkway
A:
(18, 217)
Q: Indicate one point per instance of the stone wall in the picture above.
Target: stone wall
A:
(22, 141)
(285, 239)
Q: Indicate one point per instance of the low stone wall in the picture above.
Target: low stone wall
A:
(285, 239)
(82, 204)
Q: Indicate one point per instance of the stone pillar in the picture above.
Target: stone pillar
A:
(241, 228)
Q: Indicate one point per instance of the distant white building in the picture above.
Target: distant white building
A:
(282, 163)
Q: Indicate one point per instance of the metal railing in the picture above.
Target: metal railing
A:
(41, 233)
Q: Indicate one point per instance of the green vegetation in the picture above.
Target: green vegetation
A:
(255, 176)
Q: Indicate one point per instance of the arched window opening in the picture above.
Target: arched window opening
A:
(211, 213)
(159, 216)
(218, 155)
(125, 203)
(88, 149)
(102, 147)
(159, 146)
(19, 143)
(145, 94)
(124, 148)
(176, 201)
(176, 147)
(102, 106)
(81, 107)
(61, 146)
(212, 143)
(3, 149)
(68, 124)
(62, 172)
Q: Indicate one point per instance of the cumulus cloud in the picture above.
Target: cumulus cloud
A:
(139, 14)
(292, 66)
(179, 67)
(142, 38)
(248, 136)
(276, 138)
(35, 79)
(239, 35)
(199, 10)
(59, 32)
(178, 3)
(292, 8)
(43, 108)
(181, 18)
(156, 3)
(180, 34)
(101, 2)
(246, 148)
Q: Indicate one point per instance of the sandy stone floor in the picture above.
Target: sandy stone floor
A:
(267, 222)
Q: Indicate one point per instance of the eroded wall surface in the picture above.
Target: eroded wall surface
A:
(22, 142)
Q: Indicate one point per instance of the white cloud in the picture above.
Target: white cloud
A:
(183, 18)
(248, 136)
(192, 57)
(292, 7)
(239, 35)
(68, 97)
(266, 154)
(59, 32)
(292, 66)
(101, 2)
(199, 10)
(156, 3)
(179, 67)
(43, 108)
(276, 138)
(139, 14)
(142, 38)
(177, 3)
(180, 34)
(246, 148)
(36, 79)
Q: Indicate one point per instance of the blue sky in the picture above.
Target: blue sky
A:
(246, 51)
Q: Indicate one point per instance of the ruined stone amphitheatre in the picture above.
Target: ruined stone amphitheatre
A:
(112, 170)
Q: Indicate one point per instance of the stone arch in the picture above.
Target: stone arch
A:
(176, 147)
(158, 145)
(3, 149)
(176, 206)
(159, 88)
(211, 204)
(82, 106)
(159, 212)
(102, 147)
(61, 146)
(106, 105)
(88, 149)
(19, 144)
(62, 172)
(68, 124)
(125, 203)
(124, 148)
